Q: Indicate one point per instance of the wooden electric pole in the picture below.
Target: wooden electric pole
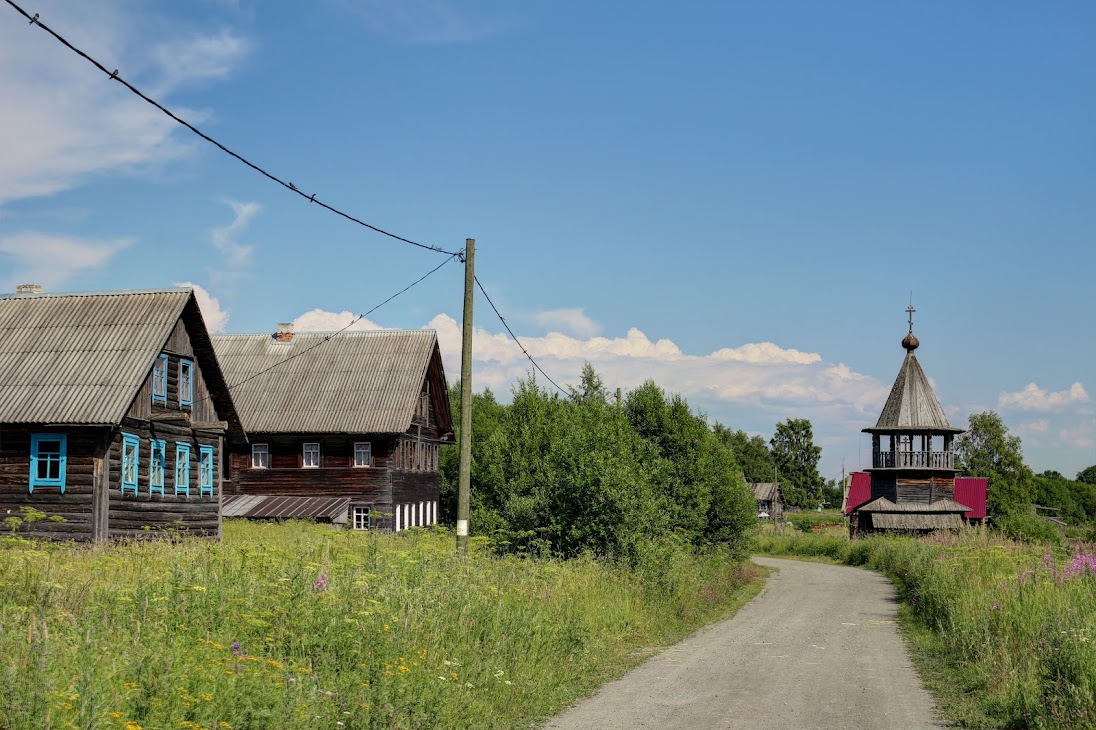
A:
(465, 479)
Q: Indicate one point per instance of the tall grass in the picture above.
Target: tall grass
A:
(301, 626)
(1015, 621)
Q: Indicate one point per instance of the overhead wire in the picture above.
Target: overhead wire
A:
(113, 75)
(517, 341)
(330, 335)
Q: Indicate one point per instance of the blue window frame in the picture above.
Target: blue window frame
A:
(48, 455)
(131, 461)
(182, 468)
(205, 470)
(157, 460)
(159, 380)
(186, 382)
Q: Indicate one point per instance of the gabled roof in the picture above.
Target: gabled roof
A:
(912, 404)
(859, 491)
(351, 382)
(765, 491)
(82, 358)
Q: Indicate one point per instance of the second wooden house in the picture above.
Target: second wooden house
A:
(356, 417)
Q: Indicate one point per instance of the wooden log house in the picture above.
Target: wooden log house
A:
(357, 416)
(113, 415)
(912, 477)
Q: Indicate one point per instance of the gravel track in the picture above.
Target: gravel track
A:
(818, 648)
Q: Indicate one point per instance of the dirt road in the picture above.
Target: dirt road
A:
(818, 648)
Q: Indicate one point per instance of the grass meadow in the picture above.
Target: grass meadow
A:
(1010, 627)
(298, 625)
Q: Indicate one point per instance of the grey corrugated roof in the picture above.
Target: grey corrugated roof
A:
(764, 490)
(912, 404)
(882, 504)
(352, 382)
(80, 358)
(258, 506)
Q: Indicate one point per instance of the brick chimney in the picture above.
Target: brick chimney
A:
(284, 333)
(28, 289)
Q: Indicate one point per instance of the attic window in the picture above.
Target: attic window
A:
(424, 403)
(159, 380)
(186, 382)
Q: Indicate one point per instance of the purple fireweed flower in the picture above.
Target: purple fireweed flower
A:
(321, 583)
(236, 650)
(995, 607)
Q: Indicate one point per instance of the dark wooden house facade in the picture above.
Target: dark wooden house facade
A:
(358, 416)
(913, 458)
(113, 413)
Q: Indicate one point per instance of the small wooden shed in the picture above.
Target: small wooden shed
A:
(770, 500)
(355, 415)
(113, 413)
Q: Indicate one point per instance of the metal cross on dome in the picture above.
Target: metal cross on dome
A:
(911, 310)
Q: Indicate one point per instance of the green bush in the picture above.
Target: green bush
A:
(1030, 529)
(807, 521)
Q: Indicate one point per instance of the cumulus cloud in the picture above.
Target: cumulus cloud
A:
(225, 238)
(215, 316)
(761, 374)
(574, 321)
(64, 122)
(51, 260)
(1034, 398)
(319, 320)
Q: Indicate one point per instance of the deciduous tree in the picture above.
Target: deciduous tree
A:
(988, 450)
(796, 458)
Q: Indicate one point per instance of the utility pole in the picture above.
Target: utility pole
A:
(618, 398)
(465, 478)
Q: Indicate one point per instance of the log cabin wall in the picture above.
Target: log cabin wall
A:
(202, 408)
(883, 485)
(923, 488)
(135, 515)
(75, 507)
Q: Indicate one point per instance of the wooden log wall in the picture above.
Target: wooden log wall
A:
(924, 488)
(75, 506)
(135, 515)
(202, 409)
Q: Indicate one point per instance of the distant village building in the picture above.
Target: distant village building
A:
(113, 415)
(770, 500)
(911, 485)
(342, 429)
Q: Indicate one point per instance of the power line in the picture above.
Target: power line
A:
(517, 341)
(287, 185)
(352, 322)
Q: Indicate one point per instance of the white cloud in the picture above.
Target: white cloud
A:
(1040, 426)
(216, 317)
(51, 260)
(1081, 436)
(761, 374)
(319, 320)
(1034, 398)
(224, 238)
(574, 321)
(198, 59)
(64, 121)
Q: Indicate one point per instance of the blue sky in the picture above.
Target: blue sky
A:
(735, 199)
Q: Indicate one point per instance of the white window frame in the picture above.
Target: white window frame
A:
(260, 456)
(363, 447)
(361, 518)
(307, 448)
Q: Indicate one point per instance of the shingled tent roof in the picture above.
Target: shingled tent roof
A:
(912, 404)
(81, 358)
(351, 382)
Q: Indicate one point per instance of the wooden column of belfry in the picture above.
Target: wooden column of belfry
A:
(464, 483)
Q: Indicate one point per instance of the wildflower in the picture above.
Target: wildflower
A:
(995, 606)
(321, 583)
(237, 651)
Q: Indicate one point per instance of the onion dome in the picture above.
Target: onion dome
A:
(910, 342)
